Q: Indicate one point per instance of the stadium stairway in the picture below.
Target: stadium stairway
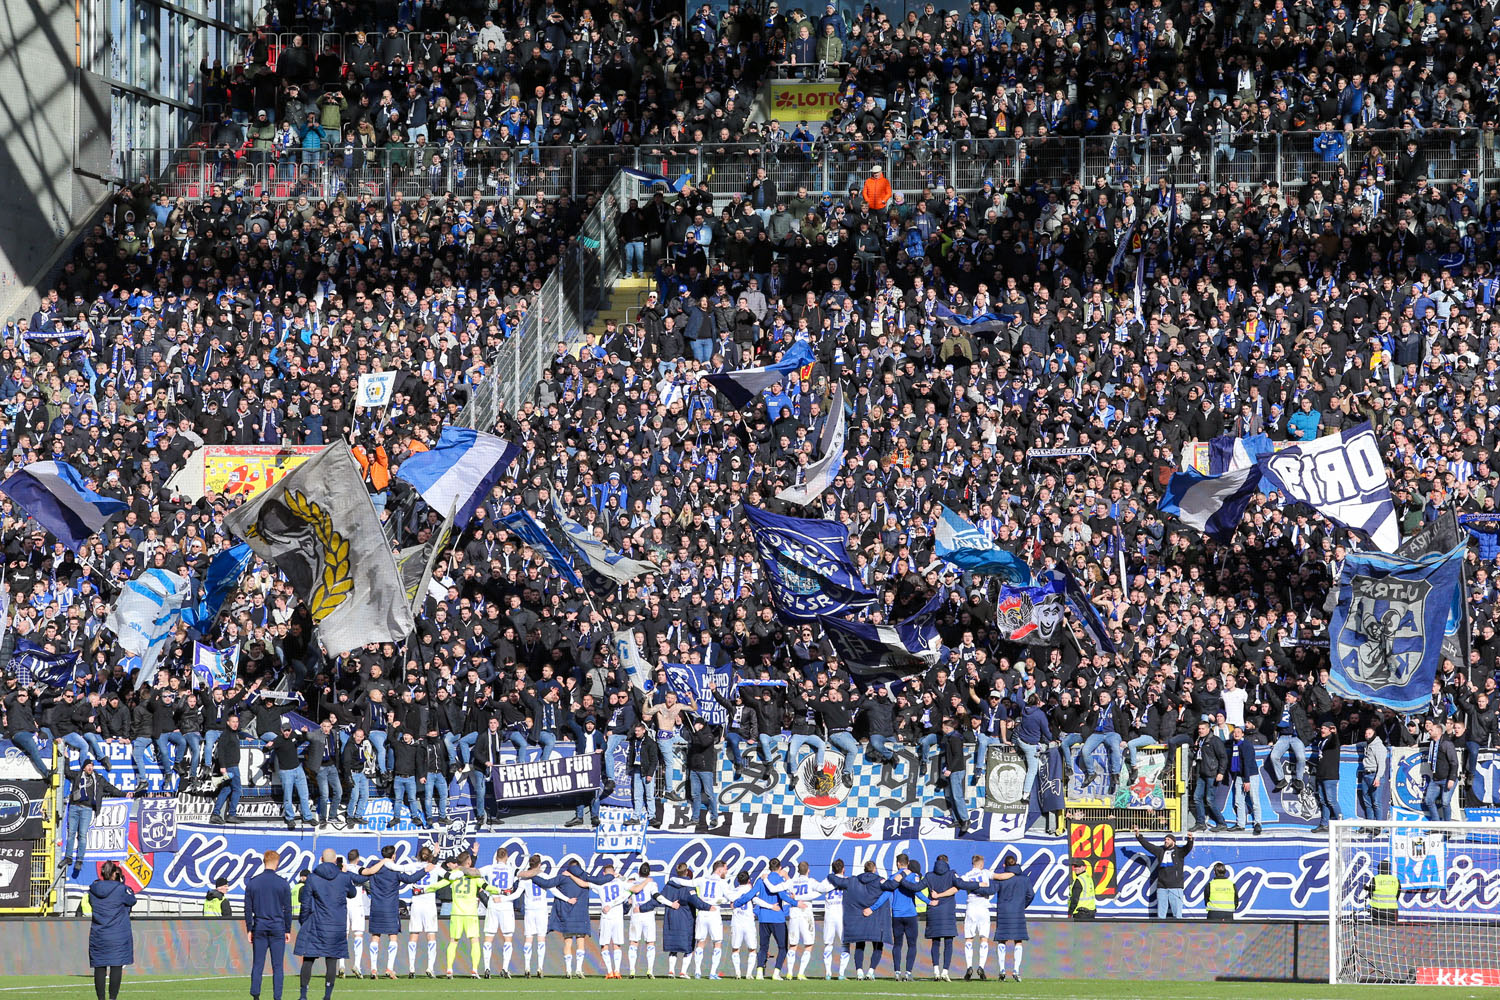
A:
(625, 298)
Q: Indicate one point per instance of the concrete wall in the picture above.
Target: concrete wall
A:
(1058, 949)
(45, 117)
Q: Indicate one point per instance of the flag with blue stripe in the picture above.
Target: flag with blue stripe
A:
(1083, 608)
(32, 663)
(460, 471)
(957, 541)
(808, 566)
(219, 581)
(598, 558)
(57, 498)
(1212, 504)
(145, 616)
(886, 652)
(530, 531)
(214, 668)
(1385, 641)
(743, 387)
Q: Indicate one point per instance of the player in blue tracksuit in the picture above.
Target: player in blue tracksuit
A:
(268, 918)
(773, 901)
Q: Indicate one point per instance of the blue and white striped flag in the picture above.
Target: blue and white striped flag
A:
(1212, 504)
(460, 471)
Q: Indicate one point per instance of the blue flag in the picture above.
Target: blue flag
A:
(532, 533)
(459, 472)
(886, 652)
(219, 581)
(1083, 608)
(988, 322)
(1212, 504)
(809, 569)
(32, 664)
(957, 541)
(700, 681)
(214, 668)
(1385, 643)
(56, 497)
(743, 387)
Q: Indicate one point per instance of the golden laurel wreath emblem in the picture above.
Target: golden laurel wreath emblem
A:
(332, 562)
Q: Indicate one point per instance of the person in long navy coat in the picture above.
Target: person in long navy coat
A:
(571, 919)
(1016, 893)
(942, 918)
(111, 943)
(867, 912)
(325, 920)
(385, 884)
(680, 903)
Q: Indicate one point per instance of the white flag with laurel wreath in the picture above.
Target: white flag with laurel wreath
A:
(321, 530)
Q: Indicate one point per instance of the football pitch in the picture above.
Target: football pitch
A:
(170, 988)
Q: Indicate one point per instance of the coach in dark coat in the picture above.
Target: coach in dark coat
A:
(110, 940)
(573, 918)
(325, 905)
(864, 892)
(385, 883)
(1014, 895)
(942, 903)
(268, 919)
(678, 922)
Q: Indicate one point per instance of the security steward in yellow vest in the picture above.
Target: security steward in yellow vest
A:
(1081, 901)
(1385, 895)
(216, 900)
(1222, 898)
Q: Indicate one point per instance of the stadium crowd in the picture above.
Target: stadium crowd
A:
(1363, 293)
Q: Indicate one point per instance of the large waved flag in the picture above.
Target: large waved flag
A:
(56, 497)
(743, 387)
(808, 566)
(1083, 607)
(219, 581)
(649, 179)
(819, 474)
(598, 558)
(885, 652)
(416, 564)
(636, 668)
(1435, 537)
(145, 616)
(1342, 477)
(319, 527)
(1033, 616)
(32, 663)
(701, 681)
(1385, 642)
(957, 541)
(459, 471)
(1212, 504)
(530, 531)
(988, 322)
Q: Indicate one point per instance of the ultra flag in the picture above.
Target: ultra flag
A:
(460, 470)
(809, 569)
(1385, 642)
(320, 528)
(819, 474)
(1342, 477)
(375, 390)
(598, 558)
(531, 532)
(145, 615)
(1033, 616)
(743, 387)
(886, 652)
(56, 497)
(957, 541)
(1213, 505)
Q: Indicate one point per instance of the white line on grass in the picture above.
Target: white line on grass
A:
(90, 984)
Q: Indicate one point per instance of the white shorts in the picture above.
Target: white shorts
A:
(710, 925)
(977, 922)
(424, 914)
(643, 927)
(535, 923)
(742, 931)
(833, 924)
(358, 918)
(612, 927)
(800, 929)
(500, 917)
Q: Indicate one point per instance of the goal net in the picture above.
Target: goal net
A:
(1444, 926)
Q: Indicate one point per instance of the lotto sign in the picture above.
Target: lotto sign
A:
(1095, 843)
(793, 101)
(245, 470)
(1433, 976)
(1420, 858)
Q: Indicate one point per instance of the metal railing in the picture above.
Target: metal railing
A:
(435, 167)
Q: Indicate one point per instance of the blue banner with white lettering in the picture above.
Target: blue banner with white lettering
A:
(700, 681)
(1385, 643)
(809, 569)
(1342, 477)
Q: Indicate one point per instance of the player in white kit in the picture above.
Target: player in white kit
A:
(614, 897)
(801, 930)
(833, 924)
(714, 890)
(536, 904)
(424, 916)
(979, 915)
(500, 913)
(643, 896)
(358, 916)
(742, 930)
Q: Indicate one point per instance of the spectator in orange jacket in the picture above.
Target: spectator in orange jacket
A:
(877, 191)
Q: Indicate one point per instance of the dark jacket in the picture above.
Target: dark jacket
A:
(1210, 758)
(268, 904)
(1168, 863)
(941, 913)
(703, 750)
(227, 750)
(642, 757)
(1014, 895)
(861, 892)
(110, 939)
(677, 925)
(325, 908)
(1328, 758)
(384, 888)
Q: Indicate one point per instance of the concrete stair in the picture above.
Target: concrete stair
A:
(625, 297)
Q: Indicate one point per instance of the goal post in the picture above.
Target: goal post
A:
(1437, 923)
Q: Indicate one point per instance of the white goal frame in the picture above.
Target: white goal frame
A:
(1336, 871)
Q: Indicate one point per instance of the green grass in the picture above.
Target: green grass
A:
(187, 988)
